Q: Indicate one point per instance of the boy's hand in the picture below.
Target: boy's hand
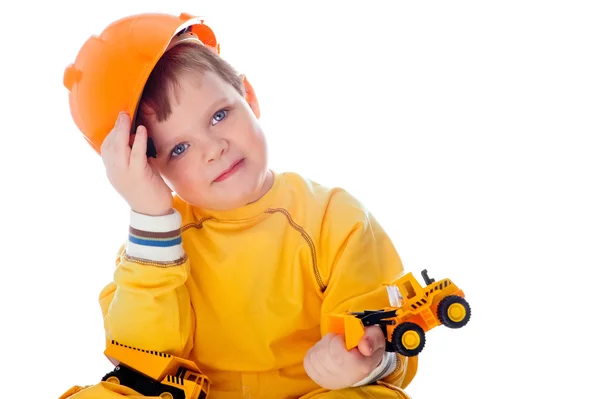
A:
(130, 173)
(332, 366)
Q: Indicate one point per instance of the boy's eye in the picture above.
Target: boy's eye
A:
(219, 116)
(179, 149)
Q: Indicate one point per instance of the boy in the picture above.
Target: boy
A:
(239, 269)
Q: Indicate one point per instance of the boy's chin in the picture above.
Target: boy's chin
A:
(231, 194)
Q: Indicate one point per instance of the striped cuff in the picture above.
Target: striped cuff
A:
(385, 368)
(155, 238)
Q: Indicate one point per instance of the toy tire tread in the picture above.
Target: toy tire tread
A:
(397, 338)
(126, 377)
(444, 305)
(141, 384)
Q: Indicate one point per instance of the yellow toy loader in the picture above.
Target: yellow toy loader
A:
(154, 373)
(413, 310)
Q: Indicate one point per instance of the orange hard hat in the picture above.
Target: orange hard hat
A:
(111, 70)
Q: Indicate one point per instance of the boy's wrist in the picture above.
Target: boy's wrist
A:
(155, 238)
(168, 221)
(386, 367)
(165, 212)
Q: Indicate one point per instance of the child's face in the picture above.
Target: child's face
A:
(211, 130)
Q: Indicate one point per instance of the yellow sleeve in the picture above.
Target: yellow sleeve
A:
(357, 259)
(148, 304)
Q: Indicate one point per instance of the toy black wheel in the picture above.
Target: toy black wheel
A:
(169, 392)
(143, 385)
(120, 375)
(408, 339)
(454, 311)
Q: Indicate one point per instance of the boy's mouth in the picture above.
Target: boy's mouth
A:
(230, 171)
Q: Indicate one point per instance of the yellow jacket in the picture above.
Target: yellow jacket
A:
(246, 293)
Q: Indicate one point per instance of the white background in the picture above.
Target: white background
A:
(470, 129)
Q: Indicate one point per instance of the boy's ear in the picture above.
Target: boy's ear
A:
(251, 97)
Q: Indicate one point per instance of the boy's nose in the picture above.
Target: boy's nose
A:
(216, 150)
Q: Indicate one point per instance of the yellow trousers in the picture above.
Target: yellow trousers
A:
(107, 390)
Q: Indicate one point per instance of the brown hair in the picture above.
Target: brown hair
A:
(184, 57)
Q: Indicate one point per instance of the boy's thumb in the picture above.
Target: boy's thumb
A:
(372, 341)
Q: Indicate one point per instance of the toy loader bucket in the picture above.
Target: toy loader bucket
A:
(349, 326)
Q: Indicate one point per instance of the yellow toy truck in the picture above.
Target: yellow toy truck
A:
(413, 310)
(154, 373)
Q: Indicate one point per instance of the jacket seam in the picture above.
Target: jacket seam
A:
(309, 241)
(294, 225)
(146, 262)
(197, 225)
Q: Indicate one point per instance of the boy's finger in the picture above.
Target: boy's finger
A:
(337, 345)
(122, 127)
(335, 355)
(112, 138)
(372, 341)
(138, 150)
(316, 364)
(327, 338)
